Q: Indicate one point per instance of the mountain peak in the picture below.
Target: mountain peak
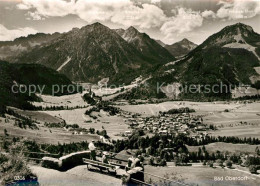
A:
(148, 47)
(185, 40)
(132, 29)
(238, 27)
(236, 33)
(181, 48)
(95, 26)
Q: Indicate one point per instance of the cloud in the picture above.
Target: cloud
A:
(34, 16)
(155, 1)
(149, 16)
(123, 12)
(208, 14)
(7, 35)
(48, 8)
(238, 9)
(185, 20)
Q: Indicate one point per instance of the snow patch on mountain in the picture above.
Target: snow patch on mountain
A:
(174, 62)
(244, 46)
(33, 44)
(169, 71)
(65, 63)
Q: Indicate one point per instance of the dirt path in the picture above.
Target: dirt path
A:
(76, 176)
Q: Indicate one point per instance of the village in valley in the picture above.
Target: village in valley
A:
(174, 124)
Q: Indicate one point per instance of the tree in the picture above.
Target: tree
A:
(151, 161)
(253, 169)
(228, 164)
(163, 162)
(177, 160)
(2, 110)
(220, 162)
(6, 133)
(256, 85)
(92, 131)
(210, 164)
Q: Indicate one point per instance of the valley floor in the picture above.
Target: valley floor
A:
(241, 120)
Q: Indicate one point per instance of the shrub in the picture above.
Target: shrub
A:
(180, 110)
(220, 162)
(253, 169)
(229, 164)
(89, 99)
(92, 131)
(163, 162)
(211, 164)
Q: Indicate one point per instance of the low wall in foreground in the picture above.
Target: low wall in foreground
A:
(65, 162)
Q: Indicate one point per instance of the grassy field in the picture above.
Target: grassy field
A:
(70, 101)
(238, 131)
(200, 107)
(241, 122)
(249, 113)
(114, 125)
(226, 147)
(38, 115)
(199, 175)
(43, 135)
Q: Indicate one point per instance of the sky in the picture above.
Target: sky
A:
(167, 20)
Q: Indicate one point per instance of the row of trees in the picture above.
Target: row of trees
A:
(58, 107)
(156, 147)
(226, 139)
(179, 111)
(170, 141)
(104, 106)
(26, 123)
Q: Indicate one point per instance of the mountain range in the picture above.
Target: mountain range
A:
(95, 52)
(230, 57)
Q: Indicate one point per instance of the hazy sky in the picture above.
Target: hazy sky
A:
(167, 20)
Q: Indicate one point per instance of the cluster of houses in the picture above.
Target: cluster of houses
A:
(164, 124)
